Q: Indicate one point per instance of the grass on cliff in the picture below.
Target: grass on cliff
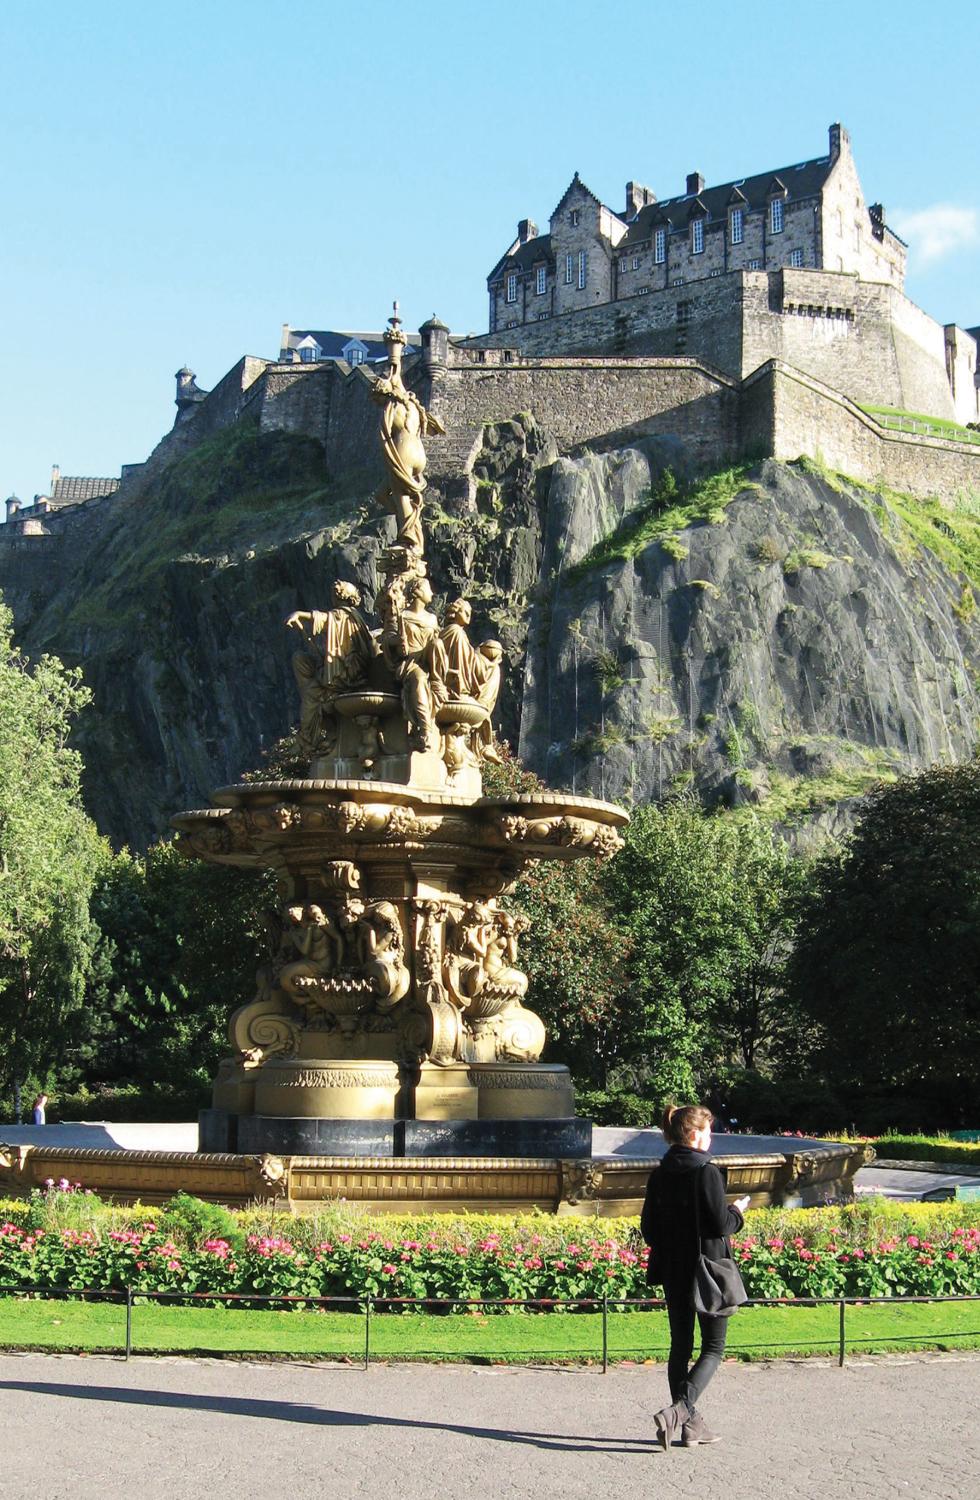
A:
(473, 1338)
(240, 492)
(670, 508)
(951, 531)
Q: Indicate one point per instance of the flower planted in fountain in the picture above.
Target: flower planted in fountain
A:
(390, 1020)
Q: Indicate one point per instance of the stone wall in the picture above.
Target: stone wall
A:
(611, 402)
(865, 338)
(786, 413)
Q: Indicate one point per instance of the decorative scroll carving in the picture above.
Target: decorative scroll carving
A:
(565, 831)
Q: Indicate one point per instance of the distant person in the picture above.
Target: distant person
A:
(40, 1105)
(685, 1216)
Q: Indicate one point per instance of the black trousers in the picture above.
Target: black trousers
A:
(687, 1381)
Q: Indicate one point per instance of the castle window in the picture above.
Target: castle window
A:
(642, 291)
(840, 225)
(755, 265)
(737, 226)
(796, 258)
(581, 269)
(776, 216)
(573, 218)
(569, 270)
(697, 236)
(622, 264)
(636, 262)
(857, 236)
(541, 282)
(355, 356)
(512, 286)
(660, 246)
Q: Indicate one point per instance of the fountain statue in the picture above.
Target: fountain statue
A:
(390, 1018)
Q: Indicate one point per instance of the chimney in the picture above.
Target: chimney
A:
(13, 506)
(637, 197)
(55, 477)
(284, 343)
(839, 141)
(526, 230)
(695, 184)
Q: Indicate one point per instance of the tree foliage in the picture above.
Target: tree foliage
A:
(705, 900)
(887, 961)
(50, 855)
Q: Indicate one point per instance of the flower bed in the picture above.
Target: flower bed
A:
(868, 1249)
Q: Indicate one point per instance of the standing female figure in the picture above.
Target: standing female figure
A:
(685, 1195)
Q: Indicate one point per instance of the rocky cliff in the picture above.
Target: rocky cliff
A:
(771, 634)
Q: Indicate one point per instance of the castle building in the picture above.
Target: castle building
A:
(311, 346)
(790, 263)
(67, 491)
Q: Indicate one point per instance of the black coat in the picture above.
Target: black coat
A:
(668, 1221)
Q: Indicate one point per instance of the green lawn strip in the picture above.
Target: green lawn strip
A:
(756, 1333)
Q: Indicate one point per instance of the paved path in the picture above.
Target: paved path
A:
(169, 1429)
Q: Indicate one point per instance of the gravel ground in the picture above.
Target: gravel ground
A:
(173, 1428)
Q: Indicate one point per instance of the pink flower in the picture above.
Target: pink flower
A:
(859, 1255)
(951, 1255)
(173, 1265)
(389, 1270)
(913, 1241)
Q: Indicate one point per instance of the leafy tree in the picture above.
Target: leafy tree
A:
(575, 954)
(50, 855)
(705, 901)
(887, 962)
(180, 943)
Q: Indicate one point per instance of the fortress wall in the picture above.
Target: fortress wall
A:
(702, 319)
(863, 337)
(295, 398)
(807, 417)
(27, 566)
(579, 401)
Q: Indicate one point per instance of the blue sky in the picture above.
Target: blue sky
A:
(180, 179)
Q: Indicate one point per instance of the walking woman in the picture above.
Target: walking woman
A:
(686, 1216)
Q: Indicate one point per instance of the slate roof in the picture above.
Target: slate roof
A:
(333, 341)
(72, 489)
(524, 257)
(805, 180)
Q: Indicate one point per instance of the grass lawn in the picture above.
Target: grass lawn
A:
(755, 1333)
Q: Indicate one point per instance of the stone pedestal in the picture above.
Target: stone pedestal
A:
(446, 1093)
(519, 1091)
(327, 1089)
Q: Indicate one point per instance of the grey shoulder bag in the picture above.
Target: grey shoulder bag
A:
(718, 1287)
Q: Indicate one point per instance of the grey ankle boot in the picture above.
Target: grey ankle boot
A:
(670, 1422)
(695, 1430)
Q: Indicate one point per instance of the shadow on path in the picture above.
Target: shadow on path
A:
(316, 1416)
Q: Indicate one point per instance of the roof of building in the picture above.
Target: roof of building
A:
(333, 341)
(804, 180)
(523, 257)
(71, 489)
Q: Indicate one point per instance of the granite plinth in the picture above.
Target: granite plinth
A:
(558, 1138)
(255, 1134)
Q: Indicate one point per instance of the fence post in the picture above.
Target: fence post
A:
(129, 1321)
(840, 1361)
(367, 1330)
(605, 1331)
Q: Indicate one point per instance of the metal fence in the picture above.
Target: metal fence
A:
(926, 429)
(368, 1306)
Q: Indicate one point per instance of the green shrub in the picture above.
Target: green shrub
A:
(193, 1220)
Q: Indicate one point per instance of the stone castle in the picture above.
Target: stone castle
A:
(790, 264)
(766, 316)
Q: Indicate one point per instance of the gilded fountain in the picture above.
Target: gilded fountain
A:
(391, 1017)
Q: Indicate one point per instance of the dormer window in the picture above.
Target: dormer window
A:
(697, 236)
(308, 354)
(512, 286)
(541, 281)
(574, 217)
(660, 246)
(736, 224)
(776, 216)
